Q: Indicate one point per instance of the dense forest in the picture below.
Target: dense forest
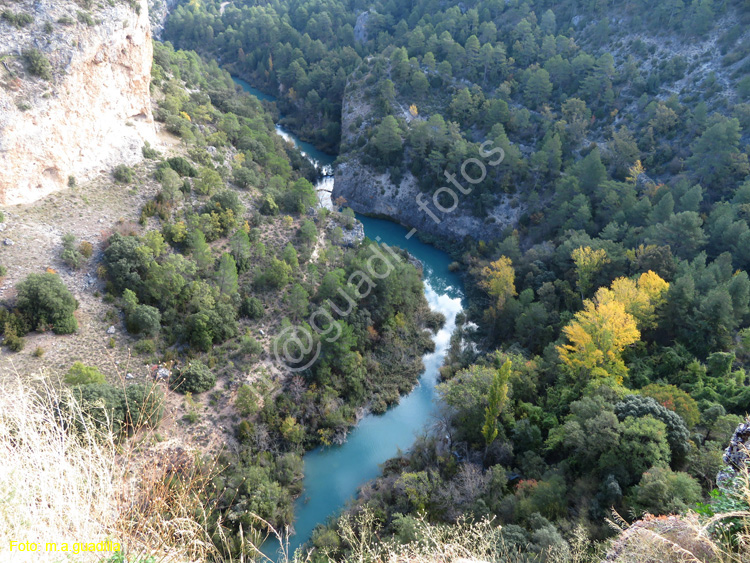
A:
(612, 320)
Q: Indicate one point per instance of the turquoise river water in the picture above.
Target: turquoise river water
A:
(334, 474)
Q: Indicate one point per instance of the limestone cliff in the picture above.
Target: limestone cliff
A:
(74, 92)
(372, 193)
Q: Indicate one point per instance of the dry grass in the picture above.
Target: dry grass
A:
(463, 542)
(59, 485)
(686, 538)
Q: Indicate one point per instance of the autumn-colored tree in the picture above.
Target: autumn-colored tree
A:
(598, 335)
(640, 297)
(498, 279)
(635, 171)
(588, 263)
(676, 400)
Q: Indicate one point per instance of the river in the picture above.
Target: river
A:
(334, 474)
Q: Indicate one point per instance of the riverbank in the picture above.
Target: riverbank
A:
(334, 474)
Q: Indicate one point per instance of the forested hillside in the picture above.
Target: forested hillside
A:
(611, 318)
(228, 251)
(599, 368)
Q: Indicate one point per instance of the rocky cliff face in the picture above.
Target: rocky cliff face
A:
(84, 111)
(158, 11)
(371, 193)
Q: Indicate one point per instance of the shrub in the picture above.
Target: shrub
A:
(81, 374)
(268, 206)
(20, 19)
(208, 182)
(246, 402)
(12, 339)
(37, 64)
(44, 300)
(86, 18)
(144, 405)
(250, 347)
(144, 319)
(123, 174)
(275, 275)
(150, 153)
(244, 177)
(71, 255)
(663, 491)
(103, 404)
(145, 347)
(252, 308)
(195, 378)
(86, 249)
(182, 166)
(125, 409)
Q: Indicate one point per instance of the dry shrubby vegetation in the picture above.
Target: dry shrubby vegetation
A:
(66, 476)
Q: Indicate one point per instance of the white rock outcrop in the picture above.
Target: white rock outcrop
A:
(93, 114)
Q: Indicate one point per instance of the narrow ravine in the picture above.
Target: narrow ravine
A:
(334, 474)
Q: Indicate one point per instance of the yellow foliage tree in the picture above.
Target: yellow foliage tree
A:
(588, 263)
(639, 297)
(413, 110)
(498, 279)
(598, 335)
(636, 170)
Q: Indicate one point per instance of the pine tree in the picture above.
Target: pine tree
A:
(201, 251)
(241, 250)
(387, 139)
(226, 275)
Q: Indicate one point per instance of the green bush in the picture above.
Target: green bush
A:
(71, 255)
(37, 64)
(85, 17)
(268, 206)
(149, 152)
(244, 177)
(86, 249)
(144, 319)
(195, 378)
(45, 301)
(250, 347)
(101, 403)
(125, 409)
(182, 166)
(252, 308)
(12, 340)
(144, 405)
(208, 182)
(246, 402)
(20, 19)
(145, 347)
(123, 174)
(81, 374)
